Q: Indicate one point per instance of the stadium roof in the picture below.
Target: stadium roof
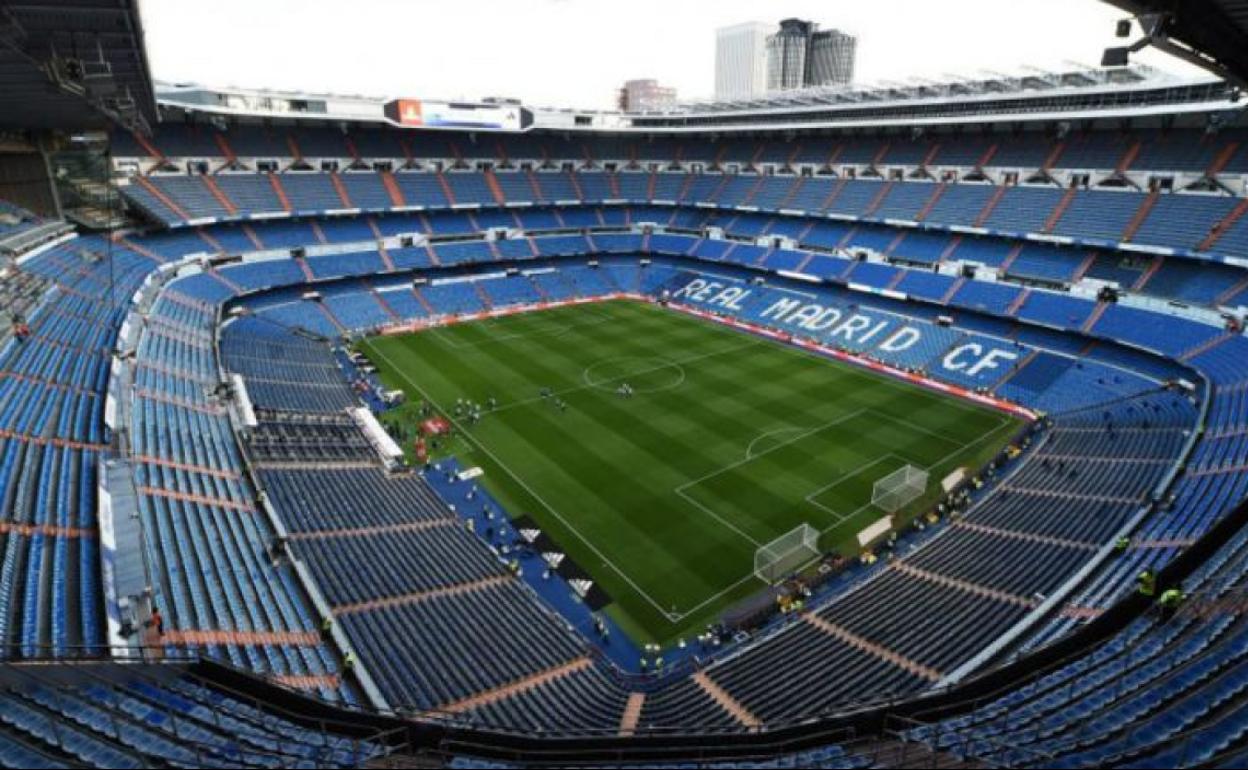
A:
(73, 64)
(1029, 80)
(1032, 95)
(1215, 31)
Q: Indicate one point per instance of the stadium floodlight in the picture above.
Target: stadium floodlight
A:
(899, 488)
(786, 554)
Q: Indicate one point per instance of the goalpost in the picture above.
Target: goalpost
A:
(789, 552)
(899, 488)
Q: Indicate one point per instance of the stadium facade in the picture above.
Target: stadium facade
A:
(216, 552)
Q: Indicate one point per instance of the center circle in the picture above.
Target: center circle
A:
(644, 374)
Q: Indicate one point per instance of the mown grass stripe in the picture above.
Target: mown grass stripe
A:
(611, 467)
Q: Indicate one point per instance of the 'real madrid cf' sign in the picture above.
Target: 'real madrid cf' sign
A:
(420, 113)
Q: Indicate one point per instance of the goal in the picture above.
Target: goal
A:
(787, 553)
(899, 488)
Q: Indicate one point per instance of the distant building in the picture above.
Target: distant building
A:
(786, 55)
(800, 55)
(643, 95)
(741, 61)
(830, 61)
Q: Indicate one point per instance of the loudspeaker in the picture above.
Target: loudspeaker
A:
(1116, 57)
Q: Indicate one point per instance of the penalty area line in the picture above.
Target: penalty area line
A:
(843, 517)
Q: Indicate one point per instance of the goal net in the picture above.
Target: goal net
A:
(787, 553)
(899, 488)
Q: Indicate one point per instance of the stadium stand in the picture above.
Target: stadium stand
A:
(21, 231)
(115, 715)
(1026, 492)
(180, 411)
(308, 374)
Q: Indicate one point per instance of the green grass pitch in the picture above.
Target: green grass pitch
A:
(728, 442)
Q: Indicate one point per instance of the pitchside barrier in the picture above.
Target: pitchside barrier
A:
(786, 554)
(899, 488)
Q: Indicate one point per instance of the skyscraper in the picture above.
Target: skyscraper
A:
(741, 61)
(787, 52)
(830, 60)
(800, 55)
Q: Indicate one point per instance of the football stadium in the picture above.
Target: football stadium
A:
(852, 426)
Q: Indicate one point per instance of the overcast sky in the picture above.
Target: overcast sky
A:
(576, 52)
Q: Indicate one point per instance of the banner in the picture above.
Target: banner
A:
(419, 113)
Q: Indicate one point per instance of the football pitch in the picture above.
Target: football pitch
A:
(728, 441)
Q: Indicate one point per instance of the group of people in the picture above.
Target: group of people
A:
(548, 394)
(1171, 598)
(471, 411)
